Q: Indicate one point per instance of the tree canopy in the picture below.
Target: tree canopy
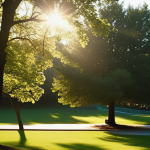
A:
(26, 20)
(78, 89)
(109, 64)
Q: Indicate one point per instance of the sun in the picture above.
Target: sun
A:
(56, 19)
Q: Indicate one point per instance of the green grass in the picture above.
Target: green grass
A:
(68, 115)
(74, 140)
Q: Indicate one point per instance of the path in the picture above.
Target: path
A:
(76, 127)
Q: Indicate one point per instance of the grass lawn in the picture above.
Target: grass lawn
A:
(72, 115)
(73, 140)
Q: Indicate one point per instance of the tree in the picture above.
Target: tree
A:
(77, 89)
(126, 44)
(22, 76)
(29, 52)
(72, 10)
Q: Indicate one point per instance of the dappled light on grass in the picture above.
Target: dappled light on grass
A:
(72, 140)
(132, 119)
(54, 116)
(122, 120)
(136, 141)
(89, 119)
(67, 116)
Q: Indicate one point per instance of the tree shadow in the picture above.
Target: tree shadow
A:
(78, 146)
(46, 116)
(59, 115)
(21, 143)
(23, 138)
(18, 146)
(129, 140)
(64, 116)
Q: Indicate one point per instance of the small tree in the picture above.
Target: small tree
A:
(22, 77)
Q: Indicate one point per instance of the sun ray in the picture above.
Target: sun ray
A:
(56, 19)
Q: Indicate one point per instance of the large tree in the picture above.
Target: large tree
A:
(78, 89)
(126, 47)
(73, 11)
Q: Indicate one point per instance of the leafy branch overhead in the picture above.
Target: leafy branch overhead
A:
(32, 41)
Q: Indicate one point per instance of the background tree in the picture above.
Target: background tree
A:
(126, 44)
(78, 89)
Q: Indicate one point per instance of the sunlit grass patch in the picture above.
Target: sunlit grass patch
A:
(73, 140)
(54, 116)
(91, 119)
(69, 116)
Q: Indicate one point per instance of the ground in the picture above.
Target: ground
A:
(101, 127)
(117, 127)
(7, 148)
(76, 116)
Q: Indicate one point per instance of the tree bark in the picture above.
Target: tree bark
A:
(111, 114)
(18, 116)
(23, 138)
(17, 110)
(9, 8)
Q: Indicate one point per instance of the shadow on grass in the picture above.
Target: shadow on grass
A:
(66, 115)
(77, 146)
(53, 116)
(129, 140)
(17, 145)
(23, 138)
(22, 143)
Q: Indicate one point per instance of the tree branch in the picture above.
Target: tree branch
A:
(21, 38)
(28, 20)
(11, 101)
(44, 38)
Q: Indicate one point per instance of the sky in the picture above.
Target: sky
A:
(135, 3)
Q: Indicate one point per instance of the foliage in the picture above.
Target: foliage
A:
(22, 76)
(29, 57)
(79, 89)
(115, 68)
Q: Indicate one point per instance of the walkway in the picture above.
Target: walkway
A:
(76, 127)
(53, 127)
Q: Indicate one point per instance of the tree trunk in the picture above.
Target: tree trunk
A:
(111, 114)
(17, 110)
(21, 129)
(18, 117)
(9, 7)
